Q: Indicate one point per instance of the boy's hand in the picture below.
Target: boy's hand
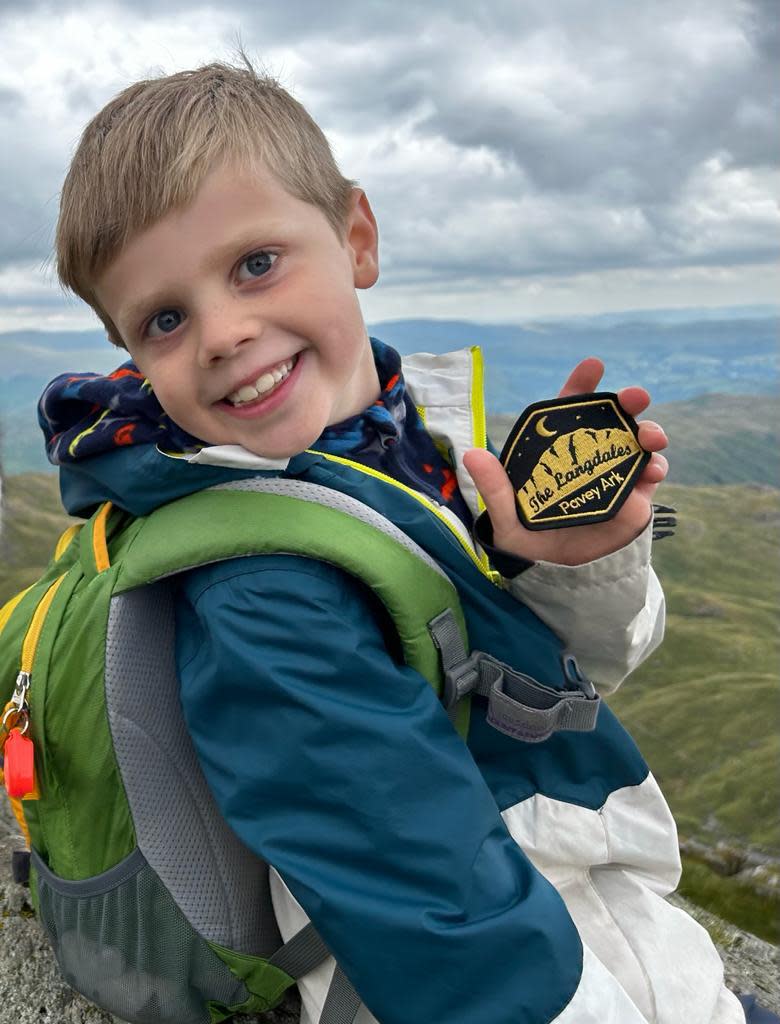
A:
(576, 544)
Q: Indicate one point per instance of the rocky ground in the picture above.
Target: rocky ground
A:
(31, 991)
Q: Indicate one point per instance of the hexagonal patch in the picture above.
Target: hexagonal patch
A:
(572, 460)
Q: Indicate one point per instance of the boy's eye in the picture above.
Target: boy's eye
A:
(164, 322)
(257, 264)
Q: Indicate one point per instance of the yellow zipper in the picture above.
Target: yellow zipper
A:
(18, 702)
(34, 630)
(99, 542)
(415, 494)
(18, 705)
(478, 419)
(479, 429)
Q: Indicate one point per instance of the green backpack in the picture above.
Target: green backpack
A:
(155, 910)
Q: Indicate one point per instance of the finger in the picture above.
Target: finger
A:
(583, 378)
(634, 400)
(493, 484)
(651, 476)
(652, 437)
(655, 471)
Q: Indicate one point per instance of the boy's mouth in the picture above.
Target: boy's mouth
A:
(264, 385)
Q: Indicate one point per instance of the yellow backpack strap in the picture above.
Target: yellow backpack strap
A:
(64, 542)
(8, 608)
(94, 541)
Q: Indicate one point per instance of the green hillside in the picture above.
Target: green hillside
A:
(704, 709)
(729, 439)
(32, 521)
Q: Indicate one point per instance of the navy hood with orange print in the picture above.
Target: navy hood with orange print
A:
(111, 437)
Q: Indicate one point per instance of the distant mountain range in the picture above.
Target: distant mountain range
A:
(673, 358)
(678, 355)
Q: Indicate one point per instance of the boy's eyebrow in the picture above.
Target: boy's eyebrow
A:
(245, 244)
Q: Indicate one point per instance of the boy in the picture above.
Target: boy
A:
(204, 220)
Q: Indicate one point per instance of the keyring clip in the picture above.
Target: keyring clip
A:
(17, 714)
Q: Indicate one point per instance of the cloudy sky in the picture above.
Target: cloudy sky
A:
(524, 157)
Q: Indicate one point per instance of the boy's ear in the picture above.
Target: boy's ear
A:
(362, 238)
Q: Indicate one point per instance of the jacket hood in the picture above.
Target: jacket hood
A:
(113, 442)
(108, 434)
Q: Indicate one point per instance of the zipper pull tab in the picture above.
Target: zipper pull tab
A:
(19, 698)
(16, 748)
(19, 766)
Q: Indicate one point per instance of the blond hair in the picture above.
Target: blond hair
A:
(149, 149)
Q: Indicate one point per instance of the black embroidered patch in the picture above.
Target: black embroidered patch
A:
(572, 460)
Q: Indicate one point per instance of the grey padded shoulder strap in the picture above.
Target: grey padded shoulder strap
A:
(277, 515)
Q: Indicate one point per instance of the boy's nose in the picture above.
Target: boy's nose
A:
(222, 333)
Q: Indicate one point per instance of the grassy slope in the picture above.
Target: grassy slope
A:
(32, 521)
(717, 439)
(704, 709)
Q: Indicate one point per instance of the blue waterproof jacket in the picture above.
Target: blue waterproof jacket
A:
(485, 882)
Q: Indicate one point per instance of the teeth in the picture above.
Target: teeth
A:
(250, 392)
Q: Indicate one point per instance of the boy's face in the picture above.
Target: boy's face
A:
(241, 310)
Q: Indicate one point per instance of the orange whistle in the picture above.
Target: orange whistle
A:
(19, 766)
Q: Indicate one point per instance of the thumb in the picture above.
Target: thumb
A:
(494, 485)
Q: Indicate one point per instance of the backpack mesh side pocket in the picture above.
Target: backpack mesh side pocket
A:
(121, 940)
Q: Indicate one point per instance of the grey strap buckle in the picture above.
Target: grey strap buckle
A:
(518, 705)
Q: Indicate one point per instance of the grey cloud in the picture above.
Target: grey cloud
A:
(82, 101)
(9, 100)
(592, 156)
(762, 25)
(650, 113)
(25, 230)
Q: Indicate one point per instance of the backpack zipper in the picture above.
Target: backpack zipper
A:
(33, 635)
(18, 708)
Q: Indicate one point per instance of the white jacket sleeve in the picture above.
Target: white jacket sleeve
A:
(610, 612)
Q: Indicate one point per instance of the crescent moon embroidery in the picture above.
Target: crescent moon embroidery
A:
(542, 431)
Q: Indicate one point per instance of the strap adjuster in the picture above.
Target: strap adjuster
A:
(518, 705)
(460, 680)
